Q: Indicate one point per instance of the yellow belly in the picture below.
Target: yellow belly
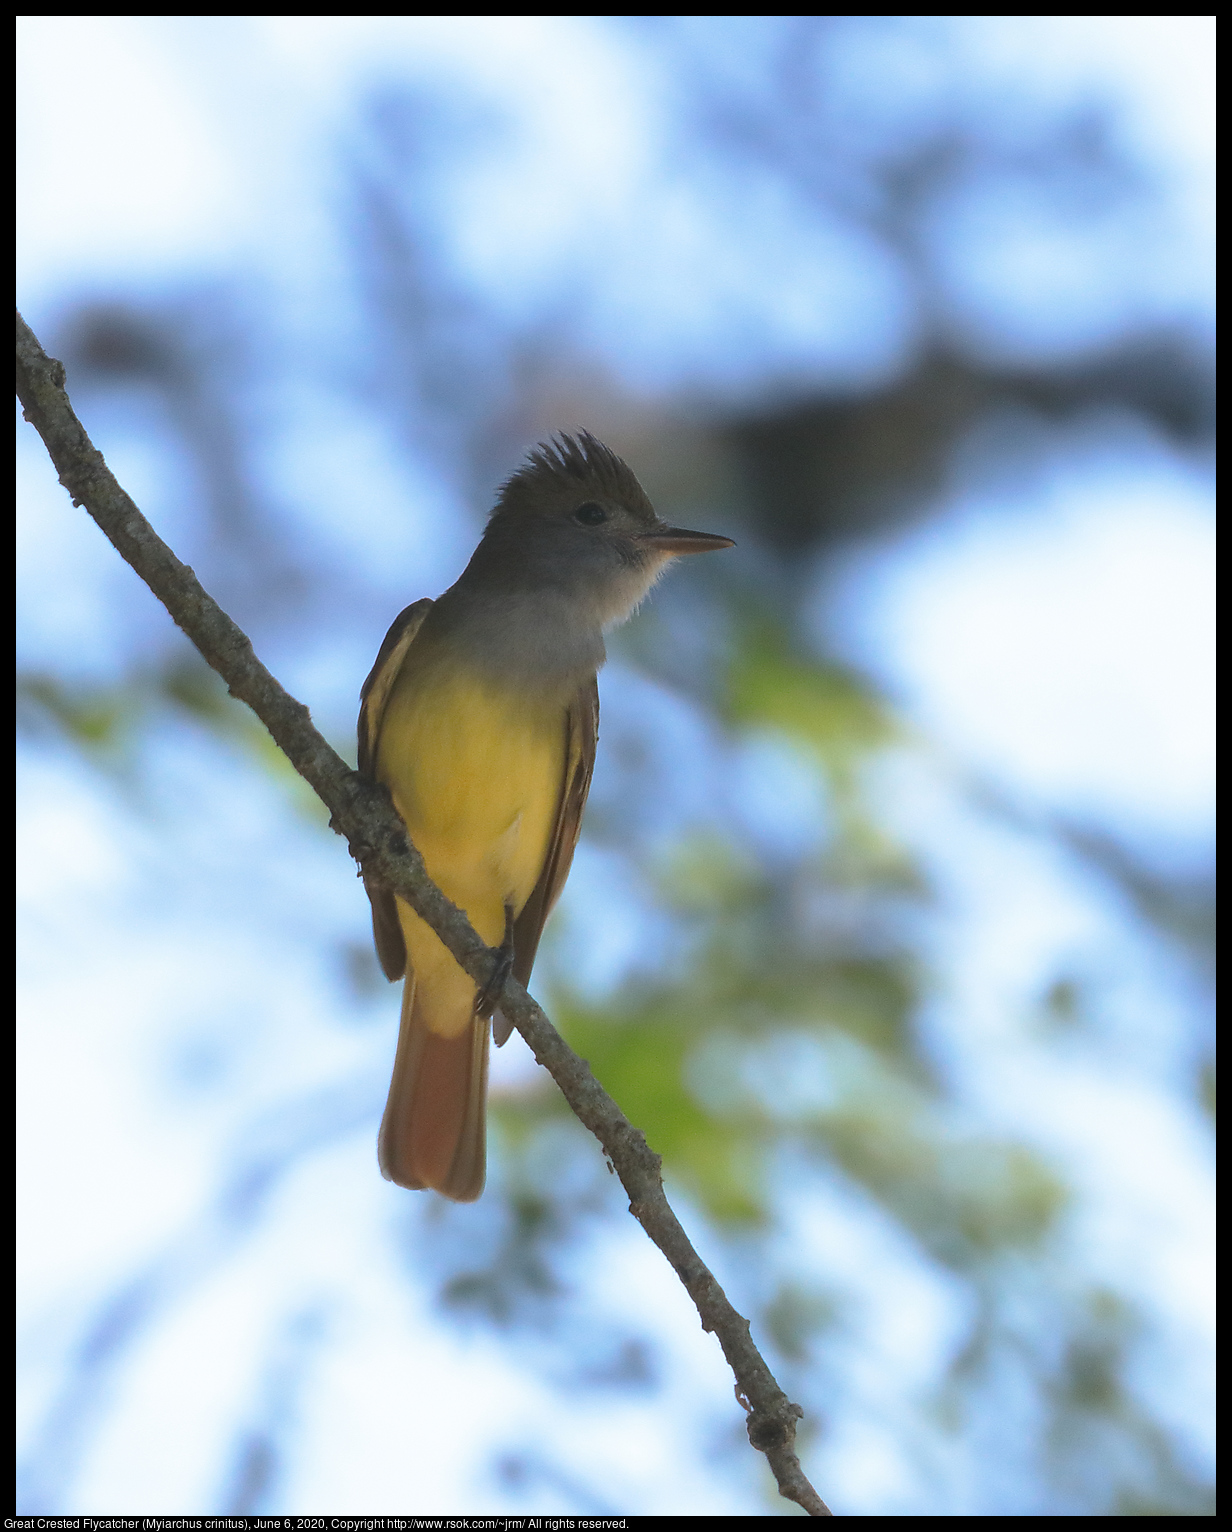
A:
(476, 775)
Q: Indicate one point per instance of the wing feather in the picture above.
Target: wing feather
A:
(373, 696)
(581, 738)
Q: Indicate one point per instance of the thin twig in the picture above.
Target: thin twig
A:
(377, 838)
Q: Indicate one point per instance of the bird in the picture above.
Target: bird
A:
(481, 717)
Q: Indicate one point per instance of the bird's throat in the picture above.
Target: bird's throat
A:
(541, 645)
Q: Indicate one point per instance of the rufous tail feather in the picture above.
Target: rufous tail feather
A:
(433, 1132)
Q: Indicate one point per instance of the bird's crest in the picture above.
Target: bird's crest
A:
(573, 461)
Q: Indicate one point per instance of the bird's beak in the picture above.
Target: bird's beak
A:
(677, 540)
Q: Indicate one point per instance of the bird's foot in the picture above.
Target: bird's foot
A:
(488, 996)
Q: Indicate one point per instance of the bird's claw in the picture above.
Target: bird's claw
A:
(486, 999)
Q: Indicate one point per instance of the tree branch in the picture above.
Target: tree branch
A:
(377, 838)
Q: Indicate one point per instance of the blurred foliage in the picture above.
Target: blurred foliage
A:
(838, 467)
(110, 723)
(777, 1033)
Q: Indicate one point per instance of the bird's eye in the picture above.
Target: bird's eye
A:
(590, 514)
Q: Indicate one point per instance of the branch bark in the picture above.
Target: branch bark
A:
(361, 811)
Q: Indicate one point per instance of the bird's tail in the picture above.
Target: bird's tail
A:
(433, 1131)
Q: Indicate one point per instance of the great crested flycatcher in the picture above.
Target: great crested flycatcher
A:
(481, 716)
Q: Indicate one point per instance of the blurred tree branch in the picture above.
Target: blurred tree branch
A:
(377, 839)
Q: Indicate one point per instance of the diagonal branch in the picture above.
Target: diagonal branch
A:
(377, 838)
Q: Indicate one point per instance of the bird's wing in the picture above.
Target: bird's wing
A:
(373, 695)
(581, 737)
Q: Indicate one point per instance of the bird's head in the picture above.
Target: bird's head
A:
(574, 519)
